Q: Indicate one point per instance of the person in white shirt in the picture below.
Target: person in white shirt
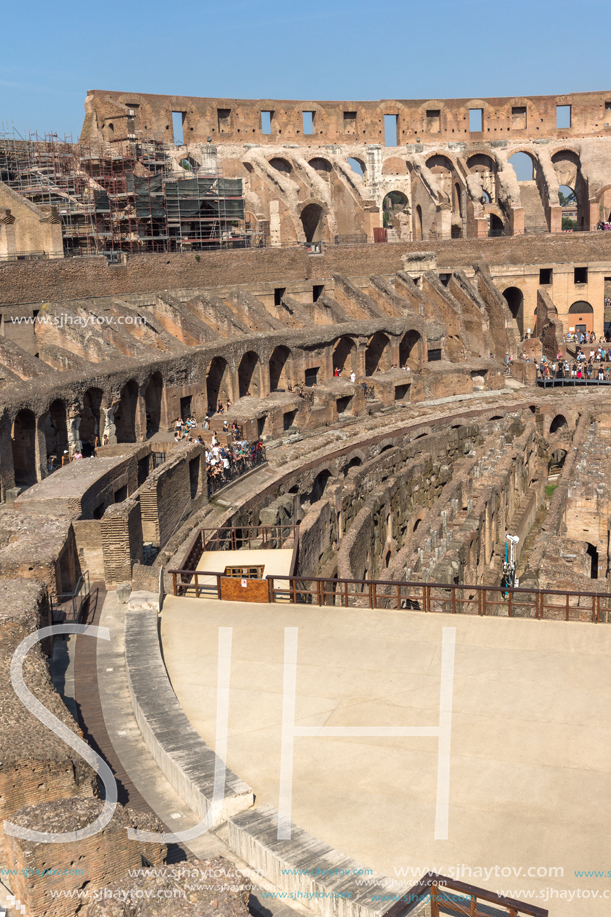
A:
(353, 376)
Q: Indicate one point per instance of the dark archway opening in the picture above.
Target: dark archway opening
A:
(90, 417)
(278, 369)
(343, 353)
(319, 486)
(56, 429)
(411, 349)
(248, 375)
(152, 399)
(418, 224)
(125, 415)
(593, 555)
(515, 301)
(496, 225)
(377, 354)
(24, 448)
(312, 220)
(217, 384)
(394, 202)
(353, 463)
(558, 423)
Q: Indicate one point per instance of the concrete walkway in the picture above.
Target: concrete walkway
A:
(530, 771)
(144, 773)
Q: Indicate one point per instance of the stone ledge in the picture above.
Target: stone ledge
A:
(310, 869)
(184, 758)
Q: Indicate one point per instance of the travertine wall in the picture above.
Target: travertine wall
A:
(455, 177)
(26, 228)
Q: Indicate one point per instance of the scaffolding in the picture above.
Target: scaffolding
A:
(126, 196)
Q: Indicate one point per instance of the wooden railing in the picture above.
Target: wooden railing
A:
(549, 604)
(189, 581)
(450, 896)
(541, 604)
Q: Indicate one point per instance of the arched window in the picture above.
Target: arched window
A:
(515, 300)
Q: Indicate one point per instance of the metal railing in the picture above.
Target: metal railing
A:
(71, 607)
(241, 466)
(449, 896)
(571, 383)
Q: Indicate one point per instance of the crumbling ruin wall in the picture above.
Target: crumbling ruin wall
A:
(40, 872)
(37, 766)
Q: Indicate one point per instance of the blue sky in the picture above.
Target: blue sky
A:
(323, 49)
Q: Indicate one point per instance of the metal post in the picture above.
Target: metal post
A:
(174, 582)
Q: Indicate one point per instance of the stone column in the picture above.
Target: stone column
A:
(41, 449)
(110, 429)
(140, 418)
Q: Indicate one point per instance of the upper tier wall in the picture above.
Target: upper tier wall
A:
(83, 278)
(433, 120)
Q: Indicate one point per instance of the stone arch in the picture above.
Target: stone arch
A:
(481, 163)
(322, 166)
(218, 383)
(438, 163)
(418, 223)
(279, 365)
(23, 440)
(312, 218)
(55, 427)
(520, 162)
(281, 165)
(394, 203)
(357, 165)
(603, 199)
(377, 353)
(497, 227)
(249, 375)
(567, 166)
(559, 423)
(153, 396)
(411, 350)
(320, 485)
(125, 414)
(344, 351)
(91, 425)
(355, 462)
(581, 307)
(514, 297)
(394, 165)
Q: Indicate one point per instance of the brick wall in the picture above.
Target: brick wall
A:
(37, 282)
(89, 864)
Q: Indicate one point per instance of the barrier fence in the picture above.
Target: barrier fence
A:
(499, 601)
(449, 896)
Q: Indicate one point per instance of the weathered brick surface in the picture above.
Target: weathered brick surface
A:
(36, 765)
(36, 282)
(90, 864)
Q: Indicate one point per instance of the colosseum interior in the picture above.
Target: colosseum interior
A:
(378, 333)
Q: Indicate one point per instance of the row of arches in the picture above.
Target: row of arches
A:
(139, 410)
(514, 298)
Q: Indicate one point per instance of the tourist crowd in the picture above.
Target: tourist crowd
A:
(595, 365)
(224, 463)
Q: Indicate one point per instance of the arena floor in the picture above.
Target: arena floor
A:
(530, 769)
